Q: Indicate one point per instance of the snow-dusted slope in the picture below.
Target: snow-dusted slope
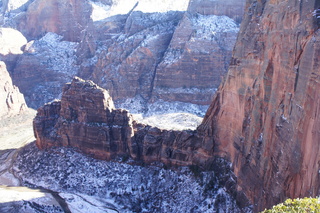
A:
(122, 187)
(11, 41)
(46, 65)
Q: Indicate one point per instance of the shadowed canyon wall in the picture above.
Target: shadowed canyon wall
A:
(265, 116)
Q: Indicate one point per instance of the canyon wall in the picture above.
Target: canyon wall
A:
(139, 54)
(11, 100)
(263, 119)
(265, 116)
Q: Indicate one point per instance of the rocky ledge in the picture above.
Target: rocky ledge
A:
(87, 119)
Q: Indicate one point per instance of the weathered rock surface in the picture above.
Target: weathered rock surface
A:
(66, 18)
(11, 100)
(265, 118)
(168, 56)
(145, 55)
(44, 67)
(196, 60)
(86, 118)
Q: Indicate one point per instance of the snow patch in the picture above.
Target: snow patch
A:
(208, 26)
(60, 55)
(118, 7)
(99, 11)
(80, 203)
(14, 4)
(165, 115)
(171, 121)
(11, 41)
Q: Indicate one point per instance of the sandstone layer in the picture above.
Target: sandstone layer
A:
(11, 100)
(265, 116)
(66, 18)
(86, 118)
(146, 56)
(166, 56)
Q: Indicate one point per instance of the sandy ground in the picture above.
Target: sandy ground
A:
(16, 131)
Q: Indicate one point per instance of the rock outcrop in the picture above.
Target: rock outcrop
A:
(11, 100)
(265, 116)
(86, 118)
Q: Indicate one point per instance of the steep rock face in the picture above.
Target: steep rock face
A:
(66, 18)
(44, 67)
(166, 56)
(196, 59)
(86, 118)
(11, 100)
(126, 63)
(264, 118)
(143, 52)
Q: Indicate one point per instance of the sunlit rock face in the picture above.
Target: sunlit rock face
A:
(37, 17)
(11, 100)
(265, 117)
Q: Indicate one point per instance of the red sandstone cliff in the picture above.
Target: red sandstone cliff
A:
(66, 18)
(265, 116)
(11, 100)
(86, 118)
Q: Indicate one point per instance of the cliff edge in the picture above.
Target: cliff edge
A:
(264, 117)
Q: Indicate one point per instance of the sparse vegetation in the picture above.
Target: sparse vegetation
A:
(196, 170)
(296, 205)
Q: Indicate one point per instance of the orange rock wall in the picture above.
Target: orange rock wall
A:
(264, 118)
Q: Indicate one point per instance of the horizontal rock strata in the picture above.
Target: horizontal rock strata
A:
(86, 118)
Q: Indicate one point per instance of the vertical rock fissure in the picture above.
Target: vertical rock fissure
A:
(157, 64)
